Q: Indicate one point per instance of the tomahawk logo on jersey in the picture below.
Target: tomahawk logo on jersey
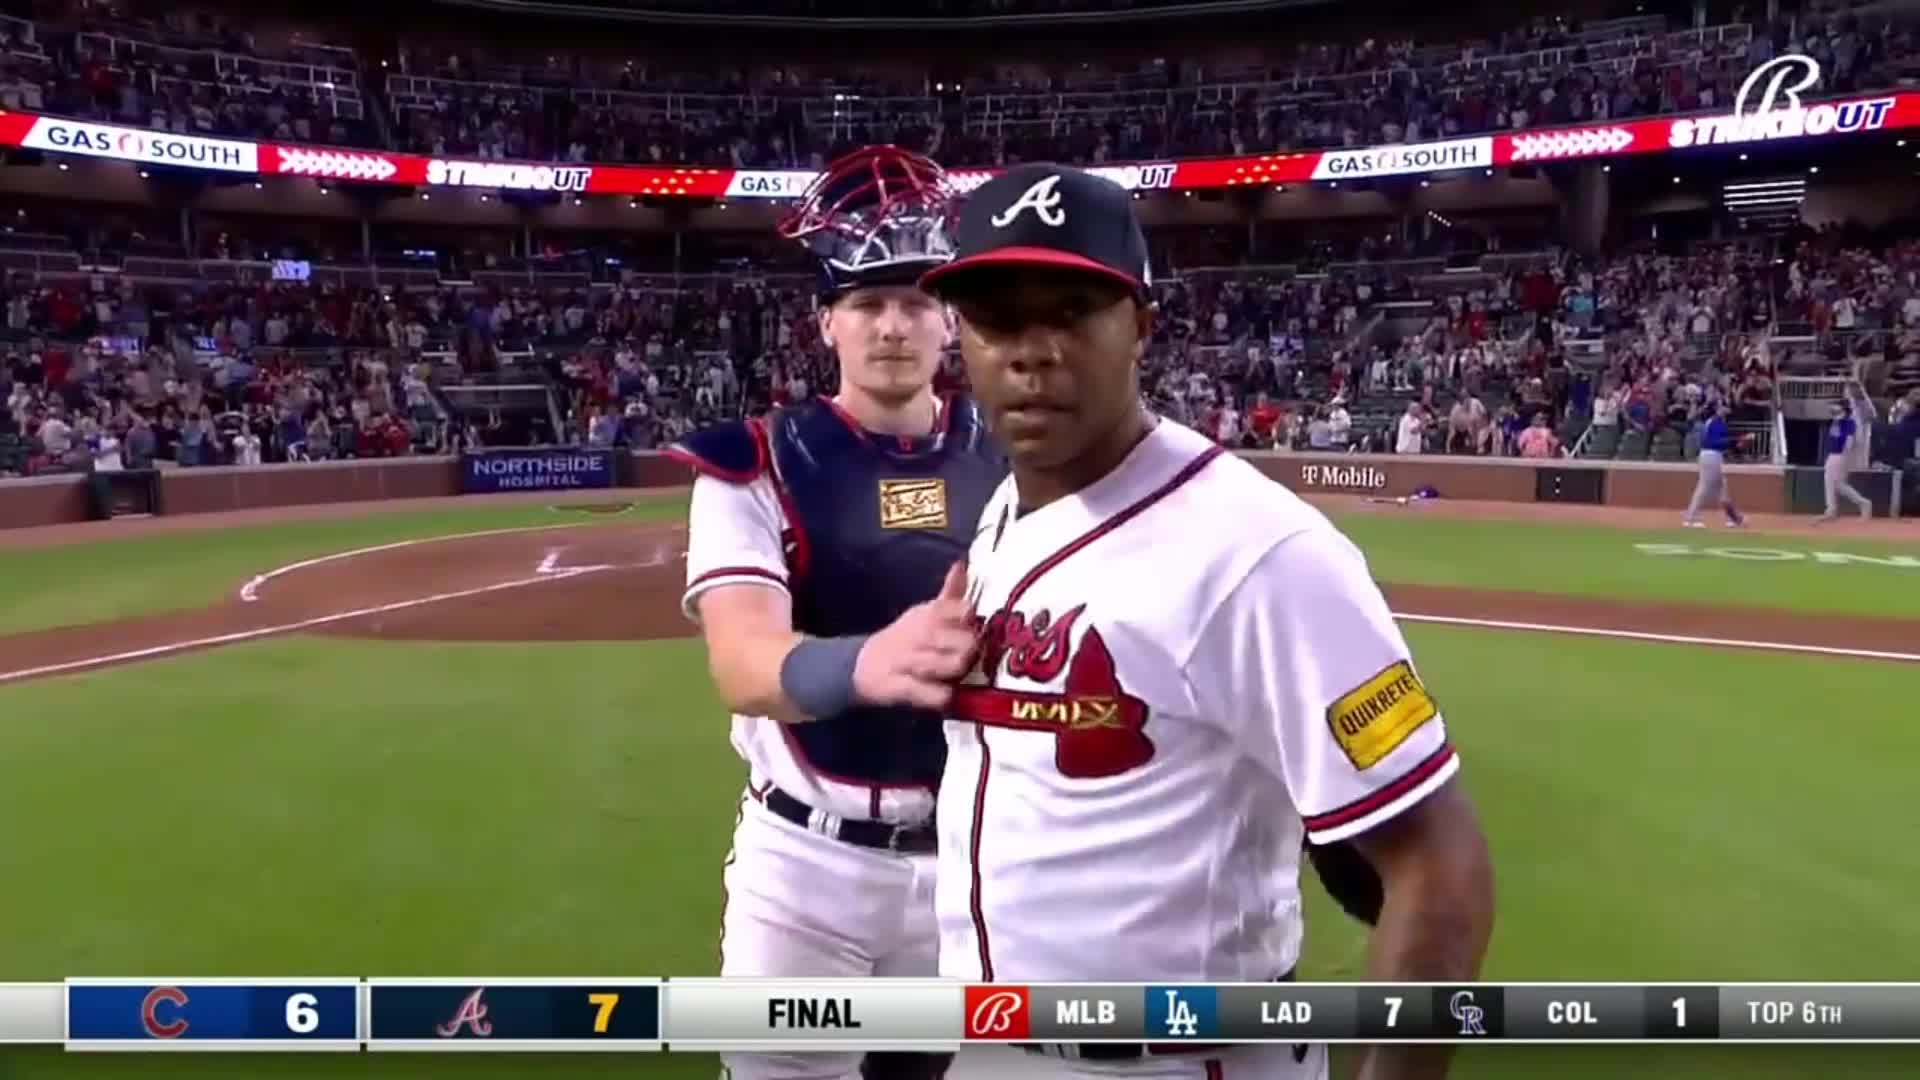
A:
(1149, 732)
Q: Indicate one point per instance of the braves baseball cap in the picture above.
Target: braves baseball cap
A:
(1049, 216)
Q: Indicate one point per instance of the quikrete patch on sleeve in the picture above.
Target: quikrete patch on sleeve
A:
(1379, 714)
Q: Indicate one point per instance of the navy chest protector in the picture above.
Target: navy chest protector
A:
(875, 522)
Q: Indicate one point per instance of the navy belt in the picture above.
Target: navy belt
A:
(878, 835)
(1128, 1051)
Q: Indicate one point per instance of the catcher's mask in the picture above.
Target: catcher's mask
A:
(878, 216)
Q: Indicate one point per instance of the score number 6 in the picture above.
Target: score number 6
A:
(302, 1016)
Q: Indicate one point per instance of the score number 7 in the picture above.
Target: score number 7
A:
(601, 1018)
(1393, 1010)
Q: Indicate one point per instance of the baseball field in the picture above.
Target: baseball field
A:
(472, 738)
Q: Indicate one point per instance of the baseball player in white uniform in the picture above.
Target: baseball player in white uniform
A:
(1183, 670)
(818, 541)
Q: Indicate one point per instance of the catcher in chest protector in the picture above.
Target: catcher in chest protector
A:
(820, 538)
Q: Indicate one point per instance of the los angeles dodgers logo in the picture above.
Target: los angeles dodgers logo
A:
(1041, 199)
(1181, 1020)
(472, 1014)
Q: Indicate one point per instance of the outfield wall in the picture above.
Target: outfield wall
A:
(54, 500)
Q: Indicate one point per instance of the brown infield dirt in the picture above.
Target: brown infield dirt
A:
(591, 577)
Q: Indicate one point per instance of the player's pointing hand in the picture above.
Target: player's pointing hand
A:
(919, 656)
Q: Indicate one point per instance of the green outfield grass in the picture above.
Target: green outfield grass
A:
(1583, 560)
(96, 582)
(322, 806)
(81, 583)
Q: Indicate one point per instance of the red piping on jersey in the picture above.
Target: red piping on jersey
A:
(1380, 797)
(735, 571)
(1215, 1071)
(802, 555)
(1186, 473)
(973, 853)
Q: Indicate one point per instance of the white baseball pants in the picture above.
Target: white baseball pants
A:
(803, 905)
(1839, 488)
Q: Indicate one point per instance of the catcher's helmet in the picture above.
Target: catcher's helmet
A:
(877, 216)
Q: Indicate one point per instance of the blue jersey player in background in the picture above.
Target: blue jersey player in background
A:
(823, 565)
(1842, 441)
(1715, 441)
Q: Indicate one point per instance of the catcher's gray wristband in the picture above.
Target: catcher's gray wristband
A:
(817, 674)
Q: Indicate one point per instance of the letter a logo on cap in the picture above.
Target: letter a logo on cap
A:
(1041, 199)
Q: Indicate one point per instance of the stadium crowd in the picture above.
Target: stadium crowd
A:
(1526, 359)
(1520, 361)
(189, 71)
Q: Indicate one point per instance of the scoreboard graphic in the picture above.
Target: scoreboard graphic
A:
(347, 1014)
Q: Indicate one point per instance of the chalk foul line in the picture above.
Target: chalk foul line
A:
(1664, 639)
(559, 573)
(285, 628)
(250, 592)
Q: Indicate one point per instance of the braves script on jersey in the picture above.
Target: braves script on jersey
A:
(1183, 666)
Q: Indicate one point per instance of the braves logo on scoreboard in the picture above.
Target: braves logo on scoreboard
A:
(471, 1015)
(174, 1000)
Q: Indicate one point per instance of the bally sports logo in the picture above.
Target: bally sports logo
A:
(999, 1012)
(133, 144)
(1779, 113)
(1360, 477)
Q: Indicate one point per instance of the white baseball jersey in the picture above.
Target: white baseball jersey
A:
(1183, 668)
(737, 534)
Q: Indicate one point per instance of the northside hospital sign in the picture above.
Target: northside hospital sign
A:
(1778, 114)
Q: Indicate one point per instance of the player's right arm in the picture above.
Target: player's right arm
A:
(737, 590)
(737, 593)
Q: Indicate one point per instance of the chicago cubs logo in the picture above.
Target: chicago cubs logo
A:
(1098, 728)
(150, 1012)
